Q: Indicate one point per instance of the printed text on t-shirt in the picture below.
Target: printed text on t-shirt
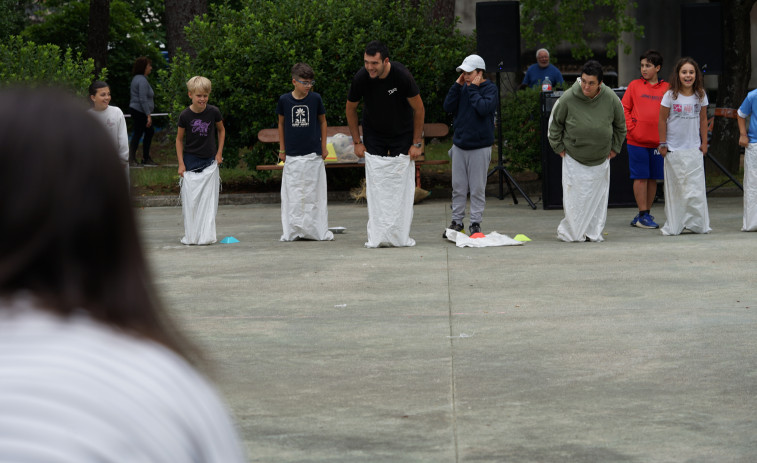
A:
(200, 127)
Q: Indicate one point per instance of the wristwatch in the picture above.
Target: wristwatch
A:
(417, 145)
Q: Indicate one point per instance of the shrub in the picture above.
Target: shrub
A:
(67, 28)
(26, 63)
(248, 53)
(521, 130)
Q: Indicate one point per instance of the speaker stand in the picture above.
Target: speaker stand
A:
(725, 171)
(504, 175)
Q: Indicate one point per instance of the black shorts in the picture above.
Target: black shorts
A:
(381, 146)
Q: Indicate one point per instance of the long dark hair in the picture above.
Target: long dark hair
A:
(675, 80)
(69, 235)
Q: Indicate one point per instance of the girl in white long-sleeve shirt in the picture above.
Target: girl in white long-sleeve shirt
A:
(112, 119)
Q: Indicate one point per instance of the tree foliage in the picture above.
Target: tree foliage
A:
(14, 17)
(248, 53)
(26, 63)
(521, 130)
(67, 27)
(548, 23)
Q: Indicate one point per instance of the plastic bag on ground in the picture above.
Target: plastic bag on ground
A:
(685, 193)
(750, 188)
(390, 190)
(585, 196)
(304, 212)
(199, 204)
(462, 240)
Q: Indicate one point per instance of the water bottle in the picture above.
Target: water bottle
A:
(546, 85)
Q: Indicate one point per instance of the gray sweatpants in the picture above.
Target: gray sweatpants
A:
(469, 169)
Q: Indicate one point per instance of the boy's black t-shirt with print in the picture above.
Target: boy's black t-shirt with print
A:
(200, 131)
(302, 130)
(386, 111)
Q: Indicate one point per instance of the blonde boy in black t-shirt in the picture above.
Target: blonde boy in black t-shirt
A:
(196, 149)
(199, 149)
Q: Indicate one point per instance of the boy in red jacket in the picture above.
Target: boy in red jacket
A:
(641, 104)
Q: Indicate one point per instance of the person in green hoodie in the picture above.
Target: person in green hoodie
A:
(587, 128)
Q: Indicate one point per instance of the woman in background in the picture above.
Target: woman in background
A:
(141, 106)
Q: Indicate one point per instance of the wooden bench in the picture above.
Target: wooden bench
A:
(430, 131)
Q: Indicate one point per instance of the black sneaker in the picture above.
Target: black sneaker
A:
(458, 227)
(149, 162)
(474, 228)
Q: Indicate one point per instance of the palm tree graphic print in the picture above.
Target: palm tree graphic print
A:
(300, 116)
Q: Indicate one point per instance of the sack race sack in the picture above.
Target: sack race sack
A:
(304, 199)
(750, 188)
(390, 190)
(199, 204)
(585, 194)
(462, 240)
(685, 193)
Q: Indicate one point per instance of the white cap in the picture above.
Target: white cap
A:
(471, 63)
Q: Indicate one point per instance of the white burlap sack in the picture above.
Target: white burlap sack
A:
(750, 188)
(685, 193)
(390, 190)
(199, 204)
(462, 240)
(585, 193)
(304, 212)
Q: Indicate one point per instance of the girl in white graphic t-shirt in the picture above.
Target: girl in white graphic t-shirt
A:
(683, 143)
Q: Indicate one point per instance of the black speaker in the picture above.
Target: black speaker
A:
(498, 35)
(702, 35)
(621, 184)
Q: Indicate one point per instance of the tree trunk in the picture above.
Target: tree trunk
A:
(733, 83)
(178, 15)
(97, 35)
(445, 10)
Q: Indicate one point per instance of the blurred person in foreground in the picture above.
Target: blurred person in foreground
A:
(91, 367)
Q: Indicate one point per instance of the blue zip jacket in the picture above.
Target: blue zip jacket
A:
(473, 108)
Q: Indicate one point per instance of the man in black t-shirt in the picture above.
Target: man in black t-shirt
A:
(392, 126)
(393, 111)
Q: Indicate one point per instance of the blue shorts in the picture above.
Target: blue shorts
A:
(645, 163)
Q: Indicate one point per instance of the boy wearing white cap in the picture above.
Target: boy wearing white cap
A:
(472, 100)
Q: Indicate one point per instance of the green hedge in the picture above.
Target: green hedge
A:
(248, 52)
(26, 63)
(521, 128)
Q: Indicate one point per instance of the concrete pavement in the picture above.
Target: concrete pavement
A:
(642, 348)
